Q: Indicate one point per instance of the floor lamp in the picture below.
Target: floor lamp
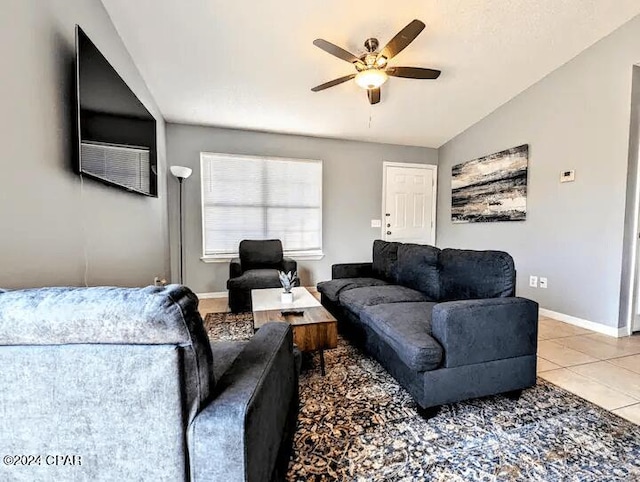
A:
(181, 173)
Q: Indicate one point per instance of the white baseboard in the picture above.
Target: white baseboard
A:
(225, 294)
(586, 324)
(215, 294)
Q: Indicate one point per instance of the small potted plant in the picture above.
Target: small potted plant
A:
(288, 281)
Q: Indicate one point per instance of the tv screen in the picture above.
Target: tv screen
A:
(116, 133)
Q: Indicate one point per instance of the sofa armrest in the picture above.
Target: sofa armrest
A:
(476, 331)
(235, 268)
(352, 270)
(289, 264)
(238, 434)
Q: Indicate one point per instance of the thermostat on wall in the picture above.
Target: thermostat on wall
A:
(568, 176)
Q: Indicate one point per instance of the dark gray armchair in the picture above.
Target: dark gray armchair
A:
(256, 268)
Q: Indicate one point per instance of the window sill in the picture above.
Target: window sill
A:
(225, 258)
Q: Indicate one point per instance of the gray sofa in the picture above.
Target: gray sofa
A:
(127, 381)
(444, 323)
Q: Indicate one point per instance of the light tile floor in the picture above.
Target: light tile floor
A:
(599, 368)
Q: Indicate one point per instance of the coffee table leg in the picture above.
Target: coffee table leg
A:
(322, 362)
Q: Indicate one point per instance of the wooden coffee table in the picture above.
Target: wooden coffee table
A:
(315, 329)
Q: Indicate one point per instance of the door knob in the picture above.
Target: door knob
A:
(388, 225)
(388, 232)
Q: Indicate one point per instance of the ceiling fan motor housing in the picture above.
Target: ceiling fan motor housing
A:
(371, 44)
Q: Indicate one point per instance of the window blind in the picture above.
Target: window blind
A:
(247, 197)
(122, 165)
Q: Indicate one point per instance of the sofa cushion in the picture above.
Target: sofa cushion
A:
(406, 327)
(357, 298)
(385, 255)
(417, 268)
(255, 279)
(114, 316)
(332, 288)
(467, 275)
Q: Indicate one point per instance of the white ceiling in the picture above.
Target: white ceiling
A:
(250, 65)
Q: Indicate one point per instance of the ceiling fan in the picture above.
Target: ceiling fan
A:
(372, 69)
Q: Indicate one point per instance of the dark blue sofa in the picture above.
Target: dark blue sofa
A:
(445, 323)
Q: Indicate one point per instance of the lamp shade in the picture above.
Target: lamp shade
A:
(371, 79)
(181, 172)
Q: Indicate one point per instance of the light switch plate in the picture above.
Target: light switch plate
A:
(568, 176)
(543, 282)
(376, 223)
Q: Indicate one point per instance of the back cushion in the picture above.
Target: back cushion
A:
(417, 268)
(114, 316)
(385, 255)
(469, 274)
(260, 254)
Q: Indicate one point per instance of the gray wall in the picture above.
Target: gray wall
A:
(48, 220)
(575, 118)
(352, 193)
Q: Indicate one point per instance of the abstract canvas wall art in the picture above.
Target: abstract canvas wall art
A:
(491, 188)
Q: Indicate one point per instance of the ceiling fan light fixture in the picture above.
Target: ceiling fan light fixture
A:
(371, 78)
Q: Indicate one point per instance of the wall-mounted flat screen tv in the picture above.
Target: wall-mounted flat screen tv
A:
(116, 134)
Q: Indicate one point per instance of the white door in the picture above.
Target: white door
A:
(409, 203)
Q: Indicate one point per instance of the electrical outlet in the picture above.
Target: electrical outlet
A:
(157, 281)
(543, 282)
(533, 281)
(376, 223)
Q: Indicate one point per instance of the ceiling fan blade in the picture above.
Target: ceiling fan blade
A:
(413, 72)
(331, 83)
(336, 51)
(403, 38)
(374, 95)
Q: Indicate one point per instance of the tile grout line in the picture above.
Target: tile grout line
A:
(617, 390)
(626, 406)
(583, 353)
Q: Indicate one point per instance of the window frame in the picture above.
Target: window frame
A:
(315, 254)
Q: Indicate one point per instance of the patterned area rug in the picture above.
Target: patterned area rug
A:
(229, 326)
(358, 424)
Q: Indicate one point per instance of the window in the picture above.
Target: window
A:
(246, 197)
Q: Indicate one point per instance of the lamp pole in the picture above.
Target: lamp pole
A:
(180, 181)
(181, 173)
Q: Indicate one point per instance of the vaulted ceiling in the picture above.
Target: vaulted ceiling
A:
(251, 65)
